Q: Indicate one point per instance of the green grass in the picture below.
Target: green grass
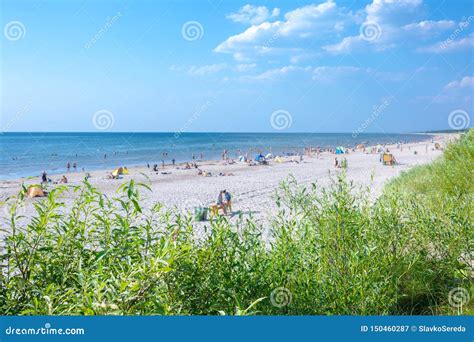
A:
(332, 251)
(452, 174)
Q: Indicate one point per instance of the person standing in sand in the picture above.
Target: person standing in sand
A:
(220, 202)
(228, 200)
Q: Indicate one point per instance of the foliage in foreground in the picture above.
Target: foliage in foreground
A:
(329, 252)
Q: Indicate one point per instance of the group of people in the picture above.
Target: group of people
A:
(46, 180)
(74, 166)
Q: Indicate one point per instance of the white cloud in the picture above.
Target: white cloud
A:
(319, 73)
(450, 45)
(316, 29)
(429, 27)
(395, 21)
(392, 12)
(465, 82)
(348, 44)
(326, 73)
(202, 70)
(246, 66)
(457, 91)
(277, 73)
(315, 21)
(250, 37)
(253, 15)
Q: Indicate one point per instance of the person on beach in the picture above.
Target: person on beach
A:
(74, 165)
(220, 202)
(173, 161)
(44, 177)
(68, 166)
(63, 180)
(228, 200)
(336, 162)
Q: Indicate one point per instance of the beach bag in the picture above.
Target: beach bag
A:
(200, 213)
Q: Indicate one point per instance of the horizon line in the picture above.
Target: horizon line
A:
(238, 132)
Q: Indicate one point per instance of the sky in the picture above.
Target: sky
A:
(236, 66)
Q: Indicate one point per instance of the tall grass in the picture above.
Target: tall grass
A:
(331, 251)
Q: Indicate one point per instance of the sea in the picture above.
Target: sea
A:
(29, 154)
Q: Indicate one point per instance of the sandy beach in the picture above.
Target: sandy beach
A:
(252, 187)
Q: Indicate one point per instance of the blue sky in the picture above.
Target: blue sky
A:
(214, 65)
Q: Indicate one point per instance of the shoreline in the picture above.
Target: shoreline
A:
(252, 187)
(113, 152)
(58, 172)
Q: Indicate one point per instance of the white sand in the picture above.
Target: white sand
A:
(252, 187)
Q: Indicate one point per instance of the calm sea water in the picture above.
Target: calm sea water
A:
(28, 154)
